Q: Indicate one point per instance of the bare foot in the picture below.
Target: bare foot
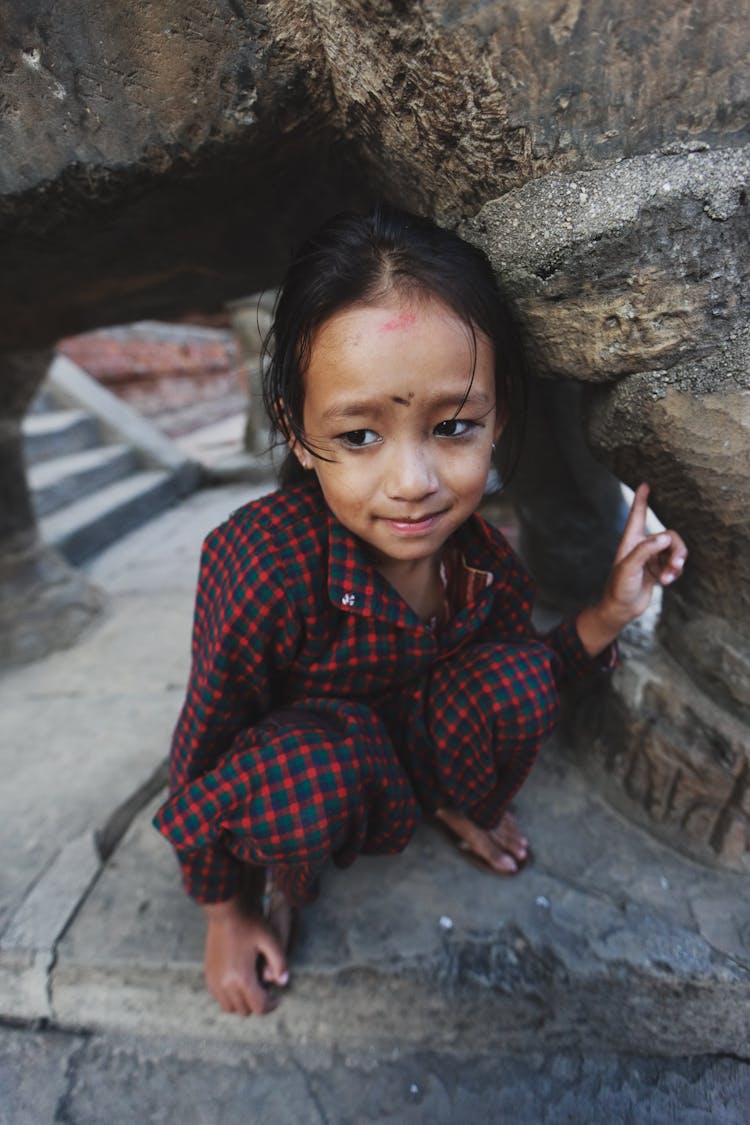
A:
(503, 848)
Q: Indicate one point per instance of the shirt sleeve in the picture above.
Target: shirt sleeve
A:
(211, 874)
(244, 636)
(514, 599)
(575, 662)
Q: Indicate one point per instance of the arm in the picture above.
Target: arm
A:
(244, 635)
(642, 561)
(586, 642)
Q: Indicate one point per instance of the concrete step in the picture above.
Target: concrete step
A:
(65, 480)
(623, 947)
(58, 433)
(79, 530)
(43, 402)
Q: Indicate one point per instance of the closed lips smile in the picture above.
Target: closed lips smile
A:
(413, 523)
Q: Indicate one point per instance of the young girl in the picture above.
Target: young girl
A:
(363, 647)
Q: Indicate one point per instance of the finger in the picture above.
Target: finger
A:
(672, 562)
(227, 997)
(259, 1000)
(678, 549)
(645, 556)
(635, 526)
(234, 1001)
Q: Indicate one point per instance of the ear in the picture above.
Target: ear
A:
(301, 454)
(298, 450)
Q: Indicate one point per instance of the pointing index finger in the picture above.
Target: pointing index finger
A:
(635, 527)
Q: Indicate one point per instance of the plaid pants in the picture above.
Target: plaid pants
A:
(330, 778)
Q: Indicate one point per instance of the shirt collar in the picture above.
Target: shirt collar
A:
(356, 586)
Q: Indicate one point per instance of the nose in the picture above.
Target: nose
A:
(411, 473)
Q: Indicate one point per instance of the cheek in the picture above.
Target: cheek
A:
(468, 471)
(468, 484)
(344, 482)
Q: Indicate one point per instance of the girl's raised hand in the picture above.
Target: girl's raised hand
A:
(642, 561)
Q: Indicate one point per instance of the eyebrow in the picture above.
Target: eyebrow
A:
(374, 407)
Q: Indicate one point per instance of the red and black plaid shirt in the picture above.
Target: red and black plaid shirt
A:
(288, 608)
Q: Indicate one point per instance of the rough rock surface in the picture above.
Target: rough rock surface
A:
(688, 428)
(177, 151)
(629, 268)
(457, 103)
(677, 732)
(639, 284)
(167, 140)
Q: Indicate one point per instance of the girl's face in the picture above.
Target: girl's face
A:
(382, 395)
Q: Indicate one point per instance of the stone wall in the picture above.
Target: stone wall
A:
(635, 278)
(160, 158)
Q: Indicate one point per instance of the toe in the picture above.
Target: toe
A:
(509, 837)
(497, 858)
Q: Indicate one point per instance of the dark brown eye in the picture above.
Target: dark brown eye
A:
(357, 439)
(453, 427)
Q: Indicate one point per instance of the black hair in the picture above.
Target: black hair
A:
(359, 259)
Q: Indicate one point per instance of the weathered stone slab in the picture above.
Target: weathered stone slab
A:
(82, 731)
(49, 1077)
(27, 944)
(424, 948)
(458, 103)
(246, 122)
(631, 267)
(35, 1073)
(667, 755)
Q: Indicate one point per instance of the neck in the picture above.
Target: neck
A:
(418, 583)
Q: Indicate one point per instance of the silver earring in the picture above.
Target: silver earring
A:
(494, 447)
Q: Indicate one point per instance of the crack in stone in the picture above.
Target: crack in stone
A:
(312, 1094)
(118, 822)
(64, 1111)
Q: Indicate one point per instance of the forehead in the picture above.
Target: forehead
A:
(393, 313)
(399, 346)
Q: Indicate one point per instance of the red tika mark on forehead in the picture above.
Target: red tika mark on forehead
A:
(403, 320)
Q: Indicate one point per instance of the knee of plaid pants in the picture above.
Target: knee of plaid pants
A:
(488, 709)
(316, 781)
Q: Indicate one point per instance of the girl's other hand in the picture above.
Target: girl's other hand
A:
(642, 561)
(235, 942)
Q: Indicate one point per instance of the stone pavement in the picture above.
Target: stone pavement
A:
(607, 942)
(71, 1079)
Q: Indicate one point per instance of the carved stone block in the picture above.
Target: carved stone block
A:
(668, 756)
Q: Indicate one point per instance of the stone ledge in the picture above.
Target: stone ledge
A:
(28, 942)
(422, 948)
